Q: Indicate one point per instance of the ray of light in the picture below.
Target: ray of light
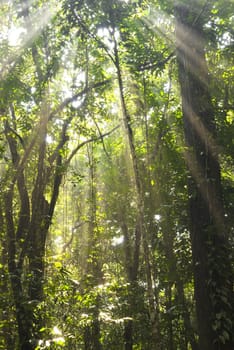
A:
(207, 190)
(190, 44)
(205, 135)
(156, 20)
(23, 36)
(163, 25)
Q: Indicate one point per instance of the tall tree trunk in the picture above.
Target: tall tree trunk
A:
(211, 264)
(170, 342)
(174, 277)
(27, 229)
(93, 265)
(7, 332)
(140, 229)
(128, 335)
(23, 315)
(133, 266)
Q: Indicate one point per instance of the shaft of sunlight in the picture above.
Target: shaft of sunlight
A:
(160, 23)
(188, 41)
(204, 134)
(207, 191)
(190, 45)
(21, 36)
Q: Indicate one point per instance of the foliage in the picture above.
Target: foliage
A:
(71, 74)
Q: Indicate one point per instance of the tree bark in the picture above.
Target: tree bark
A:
(211, 264)
(93, 265)
(27, 227)
(23, 315)
(176, 278)
(140, 229)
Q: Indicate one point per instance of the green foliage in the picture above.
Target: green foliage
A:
(59, 98)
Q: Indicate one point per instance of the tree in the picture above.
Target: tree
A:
(110, 131)
(29, 200)
(210, 246)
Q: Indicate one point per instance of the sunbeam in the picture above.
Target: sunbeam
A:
(206, 189)
(188, 41)
(204, 134)
(161, 24)
(189, 47)
(21, 36)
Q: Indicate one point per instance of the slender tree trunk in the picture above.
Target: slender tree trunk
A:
(153, 302)
(189, 331)
(211, 264)
(7, 332)
(23, 315)
(128, 335)
(134, 266)
(93, 266)
(170, 325)
(27, 229)
(175, 277)
(140, 230)
(87, 338)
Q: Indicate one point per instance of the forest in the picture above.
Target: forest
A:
(116, 174)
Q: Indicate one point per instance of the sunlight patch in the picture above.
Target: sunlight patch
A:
(157, 217)
(56, 331)
(15, 35)
(117, 240)
(21, 35)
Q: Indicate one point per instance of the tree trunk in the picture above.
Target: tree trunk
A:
(128, 335)
(7, 332)
(212, 271)
(174, 277)
(27, 229)
(189, 331)
(23, 314)
(93, 265)
(170, 337)
(140, 229)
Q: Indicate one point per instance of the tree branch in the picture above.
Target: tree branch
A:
(79, 94)
(100, 134)
(29, 149)
(82, 144)
(155, 65)
(93, 36)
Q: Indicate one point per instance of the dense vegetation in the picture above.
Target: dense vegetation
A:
(116, 174)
